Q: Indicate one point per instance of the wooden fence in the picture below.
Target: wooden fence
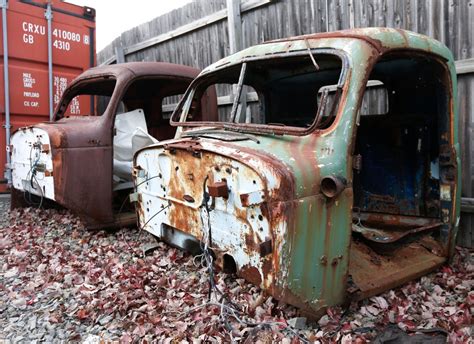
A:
(198, 35)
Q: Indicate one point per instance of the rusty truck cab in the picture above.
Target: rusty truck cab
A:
(83, 159)
(332, 174)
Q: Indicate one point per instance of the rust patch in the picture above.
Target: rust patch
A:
(45, 148)
(353, 33)
(250, 243)
(189, 145)
(373, 272)
(244, 200)
(251, 274)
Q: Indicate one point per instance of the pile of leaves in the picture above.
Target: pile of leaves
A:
(60, 282)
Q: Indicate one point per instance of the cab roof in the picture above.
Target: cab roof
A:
(140, 69)
(380, 38)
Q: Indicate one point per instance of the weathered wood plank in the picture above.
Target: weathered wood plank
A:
(185, 29)
(235, 25)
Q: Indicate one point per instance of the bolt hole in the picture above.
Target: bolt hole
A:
(228, 170)
(260, 217)
(229, 265)
(176, 168)
(255, 182)
(217, 168)
(147, 209)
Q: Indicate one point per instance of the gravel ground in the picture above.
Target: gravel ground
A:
(61, 283)
(4, 207)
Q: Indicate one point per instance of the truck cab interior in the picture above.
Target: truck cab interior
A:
(141, 117)
(404, 173)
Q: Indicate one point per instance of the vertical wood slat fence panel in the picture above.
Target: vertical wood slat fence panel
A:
(450, 21)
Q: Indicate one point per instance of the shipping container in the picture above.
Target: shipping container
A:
(44, 46)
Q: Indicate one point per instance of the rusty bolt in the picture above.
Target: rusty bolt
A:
(188, 198)
(324, 260)
(218, 189)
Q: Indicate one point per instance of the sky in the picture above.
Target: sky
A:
(115, 16)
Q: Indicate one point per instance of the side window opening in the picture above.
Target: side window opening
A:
(374, 102)
(89, 99)
(169, 104)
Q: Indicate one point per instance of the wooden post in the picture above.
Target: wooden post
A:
(119, 53)
(234, 21)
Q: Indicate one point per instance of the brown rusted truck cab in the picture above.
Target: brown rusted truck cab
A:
(332, 175)
(83, 161)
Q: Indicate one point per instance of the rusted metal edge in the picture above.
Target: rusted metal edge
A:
(390, 236)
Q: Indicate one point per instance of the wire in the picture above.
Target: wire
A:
(31, 176)
(135, 187)
(146, 180)
(151, 218)
(227, 308)
(41, 191)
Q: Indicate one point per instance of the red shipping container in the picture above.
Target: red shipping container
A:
(73, 51)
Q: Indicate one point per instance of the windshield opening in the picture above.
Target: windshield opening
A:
(275, 93)
(90, 98)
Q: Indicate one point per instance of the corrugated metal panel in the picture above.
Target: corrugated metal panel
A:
(73, 51)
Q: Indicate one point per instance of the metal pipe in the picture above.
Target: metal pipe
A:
(49, 17)
(331, 186)
(7, 172)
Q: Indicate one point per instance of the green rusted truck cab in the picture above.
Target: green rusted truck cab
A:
(332, 175)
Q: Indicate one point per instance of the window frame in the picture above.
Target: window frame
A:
(178, 116)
